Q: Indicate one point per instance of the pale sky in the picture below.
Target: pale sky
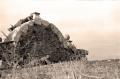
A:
(92, 24)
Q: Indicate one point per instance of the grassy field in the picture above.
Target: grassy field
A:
(106, 69)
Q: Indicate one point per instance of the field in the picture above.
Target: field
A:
(105, 69)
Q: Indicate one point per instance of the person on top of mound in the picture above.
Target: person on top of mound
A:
(69, 43)
(33, 16)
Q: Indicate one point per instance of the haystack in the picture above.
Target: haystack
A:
(38, 39)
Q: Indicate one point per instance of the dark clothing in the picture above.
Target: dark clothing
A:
(0, 39)
(25, 19)
(6, 42)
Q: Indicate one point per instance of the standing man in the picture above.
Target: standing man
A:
(36, 18)
(21, 21)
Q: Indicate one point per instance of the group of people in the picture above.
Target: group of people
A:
(36, 16)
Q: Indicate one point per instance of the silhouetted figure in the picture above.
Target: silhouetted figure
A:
(21, 21)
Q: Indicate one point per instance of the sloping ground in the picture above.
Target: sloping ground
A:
(70, 70)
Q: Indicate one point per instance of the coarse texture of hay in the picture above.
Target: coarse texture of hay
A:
(34, 41)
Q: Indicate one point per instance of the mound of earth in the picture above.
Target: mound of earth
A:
(40, 41)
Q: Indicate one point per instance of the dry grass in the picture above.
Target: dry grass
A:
(69, 70)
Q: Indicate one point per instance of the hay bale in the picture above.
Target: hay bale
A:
(39, 40)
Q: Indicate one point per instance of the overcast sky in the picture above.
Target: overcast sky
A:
(92, 24)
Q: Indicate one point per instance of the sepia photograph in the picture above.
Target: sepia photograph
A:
(59, 39)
